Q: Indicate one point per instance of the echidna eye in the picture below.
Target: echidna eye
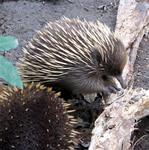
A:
(116, 72)
(104, 77)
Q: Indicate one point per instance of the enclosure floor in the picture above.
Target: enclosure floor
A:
(23, 18)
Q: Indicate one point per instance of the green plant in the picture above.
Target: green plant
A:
(8, 72)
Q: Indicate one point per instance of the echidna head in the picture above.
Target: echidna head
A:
(102, 75)
(110, 64)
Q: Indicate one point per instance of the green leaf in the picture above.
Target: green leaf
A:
(7, 43)
(9, 73)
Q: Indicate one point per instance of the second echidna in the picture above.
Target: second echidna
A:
(80, 57)
(34, 118)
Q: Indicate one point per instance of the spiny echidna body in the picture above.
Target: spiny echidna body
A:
(34, 119)
(79, 56)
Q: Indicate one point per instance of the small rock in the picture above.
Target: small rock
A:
(70, 1)
(102, 7)
(86, 9)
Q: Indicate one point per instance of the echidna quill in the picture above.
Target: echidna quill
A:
(35, 118)
(78, 56)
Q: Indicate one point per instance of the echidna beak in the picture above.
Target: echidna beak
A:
(121, 81)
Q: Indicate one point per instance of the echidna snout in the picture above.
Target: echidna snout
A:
(79, 56)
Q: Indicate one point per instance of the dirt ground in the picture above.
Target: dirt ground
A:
(23, 18)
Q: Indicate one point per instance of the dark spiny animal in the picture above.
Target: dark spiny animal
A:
(35, 118)
(79, 56)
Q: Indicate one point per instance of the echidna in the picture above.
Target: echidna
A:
(78, 56)
(35, 119)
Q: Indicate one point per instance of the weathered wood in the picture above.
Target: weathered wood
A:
(113, 128)
(132, 23)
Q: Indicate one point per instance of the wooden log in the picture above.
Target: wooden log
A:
(114, 128)
(132, 23)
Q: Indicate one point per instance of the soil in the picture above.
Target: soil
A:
(23, 18)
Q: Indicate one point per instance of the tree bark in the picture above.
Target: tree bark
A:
(115, 127)
(132, 23)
